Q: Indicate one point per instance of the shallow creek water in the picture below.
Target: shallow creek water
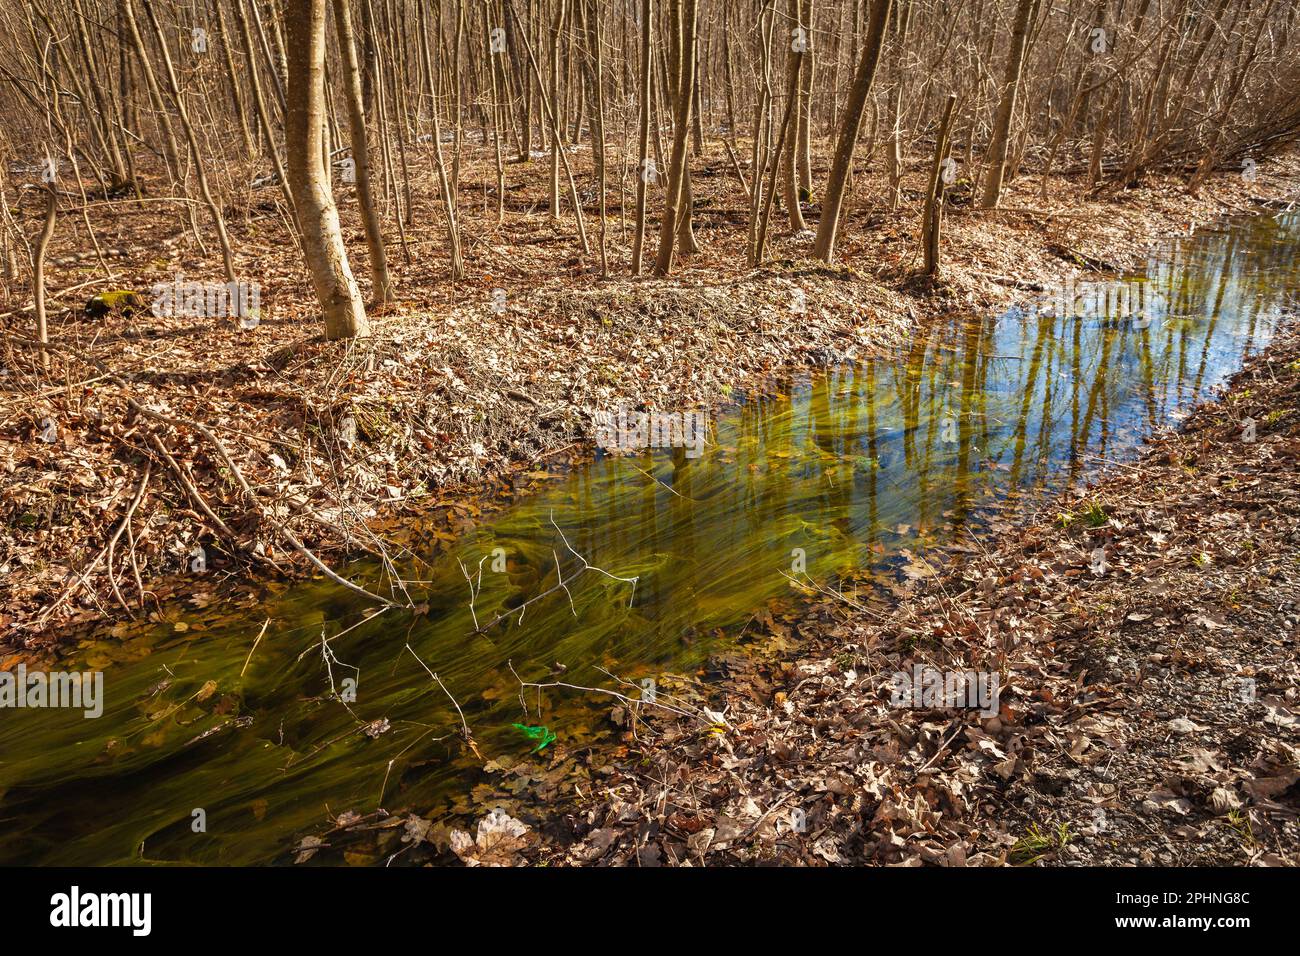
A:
(863, 466)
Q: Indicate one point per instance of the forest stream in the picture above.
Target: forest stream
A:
(275, 718)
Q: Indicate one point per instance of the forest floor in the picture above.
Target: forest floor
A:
(1150, 713)
(103, 504)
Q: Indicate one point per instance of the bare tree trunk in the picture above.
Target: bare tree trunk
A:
(263, 114)
(8, 237)
(1239, 76)
(191, 139)
(799, 45)
(38, 272)
(381, 286)
(155, 92)
(1007, 106)
(824, 247)
(232, 76)
(894, 149)
(101, 99)
(548, 110)
(595, 64)
(805, 107)
(327, 258)
(681, 134)
(759, 154)
(445, 182)
(643, 138)
(932, 223)
(778, 155)
(556, 145)
(274, 65)
(686, 244)
(500, 86)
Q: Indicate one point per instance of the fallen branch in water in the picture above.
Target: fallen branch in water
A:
(469, 738)
(812, 586)
(261, 634)
(663, 483)
(705, 716)
(561, 585)
(475, 586)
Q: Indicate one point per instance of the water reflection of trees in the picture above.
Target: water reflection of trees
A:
(1042, 397)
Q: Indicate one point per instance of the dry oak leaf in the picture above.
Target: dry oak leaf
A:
(499, 839)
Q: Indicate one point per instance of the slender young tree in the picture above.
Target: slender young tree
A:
(643, 136)
(380, 282)
(790, 158)
(932, 222)
(828, 228)
(38, 271)
(806, 104)
(780, 153)
(557, 26)
(894, 147)
(686, 10)
(1007, 105)
(327, 258)
(594, 63)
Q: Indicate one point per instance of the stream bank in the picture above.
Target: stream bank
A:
(450, 398)
(308, 726)
(1149, 713)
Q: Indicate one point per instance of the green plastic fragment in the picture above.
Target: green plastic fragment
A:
(543, 734)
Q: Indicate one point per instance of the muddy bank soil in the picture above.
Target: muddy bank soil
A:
(239, 435)
(1149, 705)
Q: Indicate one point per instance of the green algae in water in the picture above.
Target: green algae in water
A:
(852, 471)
